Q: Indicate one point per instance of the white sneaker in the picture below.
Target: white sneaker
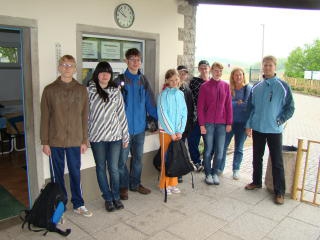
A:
(236, 175)
(168, 191)
(216, 180)
(83, 211)
(175, 190)
(209, 180)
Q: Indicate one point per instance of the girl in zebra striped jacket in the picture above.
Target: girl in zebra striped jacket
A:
(108, 132)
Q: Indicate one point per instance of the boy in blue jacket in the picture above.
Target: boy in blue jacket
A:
(270, 105)
(139, 100)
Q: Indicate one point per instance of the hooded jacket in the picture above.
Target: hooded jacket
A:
(172, 111)
(270, 105)
(139, 100)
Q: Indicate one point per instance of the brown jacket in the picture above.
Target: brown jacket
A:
(64, 114)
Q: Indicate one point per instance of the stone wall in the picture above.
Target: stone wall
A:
(187, 34)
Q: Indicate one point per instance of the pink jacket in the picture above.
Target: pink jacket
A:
(215, 103)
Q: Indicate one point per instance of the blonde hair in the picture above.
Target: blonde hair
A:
(231, 80)
(217, 65)
(67, 58)
(169, 74)
(270, 58)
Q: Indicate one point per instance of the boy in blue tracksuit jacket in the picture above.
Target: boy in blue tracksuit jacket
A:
(139, 101)
(270, 105)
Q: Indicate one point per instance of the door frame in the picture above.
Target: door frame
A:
(31, 99)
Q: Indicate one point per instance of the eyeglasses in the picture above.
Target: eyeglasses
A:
(134, 59)
(67, 65)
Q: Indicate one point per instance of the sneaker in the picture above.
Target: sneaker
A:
(109, 206)
(252, 186)
(219, 172)
(62, 220)
(83, 211)
(118, 204)
(141, 189)
(175, 190)
(199, 167)
(279, 199)
(236, 175)
(216, 180)
(209, 180)
(168, 191)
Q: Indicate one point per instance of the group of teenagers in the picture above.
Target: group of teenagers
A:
(110, 114)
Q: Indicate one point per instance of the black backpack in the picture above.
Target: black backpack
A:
(178, 162)
(157, 160)
(46, 211)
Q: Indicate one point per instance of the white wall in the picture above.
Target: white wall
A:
(57, 22)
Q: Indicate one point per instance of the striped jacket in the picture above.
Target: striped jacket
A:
(107, 120)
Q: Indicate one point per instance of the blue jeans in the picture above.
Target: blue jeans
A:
(213, 142)
(240, 136)
(107, 154)
(193, 143)
(135, 147)
(57, 172)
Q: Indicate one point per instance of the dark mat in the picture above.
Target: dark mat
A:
(9, 206)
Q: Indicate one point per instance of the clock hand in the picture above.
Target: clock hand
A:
(122, 13)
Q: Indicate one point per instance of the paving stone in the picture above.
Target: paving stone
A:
(292, 229)
(155, 220)
(220, 235)
(119, 232)
(267, 208)
(199, 226)
(227, 209)
(250, 226)
(307, 213)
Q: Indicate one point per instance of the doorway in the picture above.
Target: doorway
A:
(14, 190)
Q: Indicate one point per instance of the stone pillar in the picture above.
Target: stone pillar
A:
(187, 34)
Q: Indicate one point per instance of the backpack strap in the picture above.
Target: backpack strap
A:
(53, 228)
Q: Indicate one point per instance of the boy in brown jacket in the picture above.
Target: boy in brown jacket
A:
(64, 129)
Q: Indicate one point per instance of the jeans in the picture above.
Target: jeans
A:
(57, 172)
(132, 180)
(107, 154)
(213, 142)
(240, 136)
(274, 141)
(193, 143)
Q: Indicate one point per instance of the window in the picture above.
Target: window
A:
(9, 55)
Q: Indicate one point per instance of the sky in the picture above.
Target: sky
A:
(236, 33)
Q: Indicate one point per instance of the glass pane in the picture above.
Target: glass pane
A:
(8, 55)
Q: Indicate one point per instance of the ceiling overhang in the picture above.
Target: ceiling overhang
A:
(293, 4)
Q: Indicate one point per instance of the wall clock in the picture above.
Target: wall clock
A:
(124, 15)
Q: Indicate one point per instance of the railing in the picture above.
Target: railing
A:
(308, 186)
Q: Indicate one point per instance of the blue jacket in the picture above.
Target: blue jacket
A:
(270, 105)
(172, 111)
(139, 100)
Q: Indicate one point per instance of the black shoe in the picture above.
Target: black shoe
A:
(180, 180)
(118, 204)
(109, 206)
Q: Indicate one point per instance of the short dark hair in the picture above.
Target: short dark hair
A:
(132, 52)
(205, 62)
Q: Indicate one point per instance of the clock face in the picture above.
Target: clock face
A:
(124, 15)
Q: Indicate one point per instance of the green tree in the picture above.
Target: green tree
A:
(303, 59)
